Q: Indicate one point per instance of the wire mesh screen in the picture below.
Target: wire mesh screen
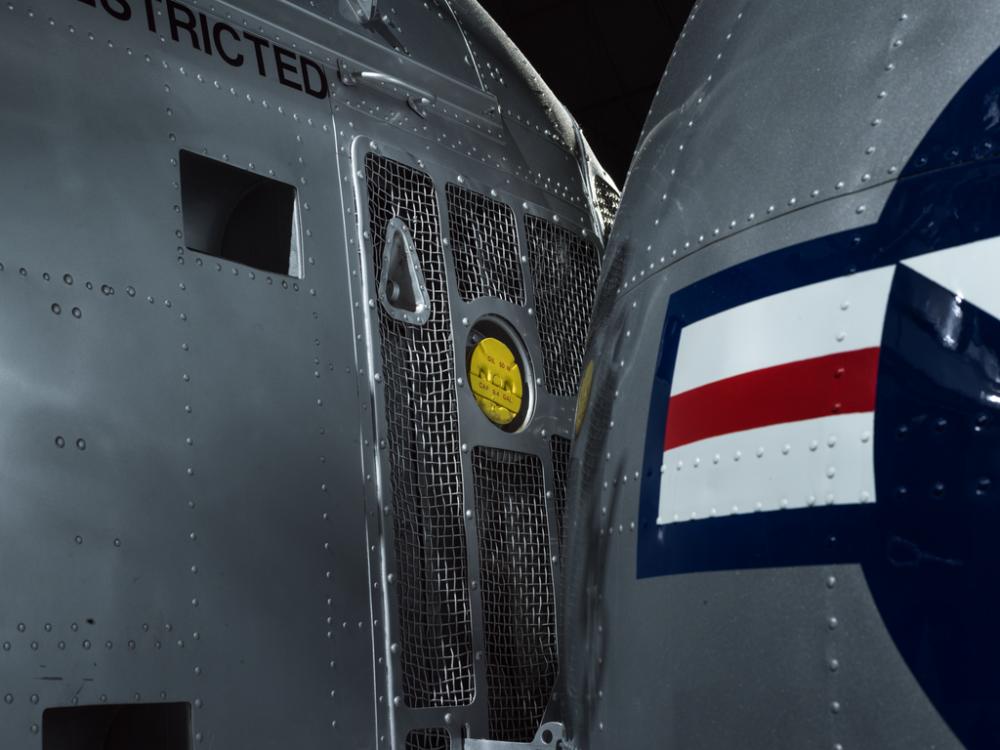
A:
(519, 616)
(428, 739)
(607, 200)
(484, 244)
(565, 268)
(560, 469)
(422, 415)
(607, 295)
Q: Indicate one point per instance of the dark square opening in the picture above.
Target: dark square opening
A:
(239, 215)
(140, 726)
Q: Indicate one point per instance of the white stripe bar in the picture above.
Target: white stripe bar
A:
(972, 271)
(825, 461)
(832, 316)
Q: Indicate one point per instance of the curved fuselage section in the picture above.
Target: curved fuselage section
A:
(783, 481)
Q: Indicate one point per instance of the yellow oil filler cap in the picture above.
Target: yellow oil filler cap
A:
(496, 381)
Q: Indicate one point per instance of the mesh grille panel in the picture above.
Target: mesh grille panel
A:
(565, 269)
(607, 295)
(599, 409)
(560, 469)
(428, 739)
(607, 200)
(519, 618)
(422, 416)
(484, 245)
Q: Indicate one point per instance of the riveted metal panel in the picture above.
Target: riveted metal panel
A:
(683, 625)
(425, 32)
(786, 76)
(198, 550)
(195, 450)
(176, 422)
(776, 127)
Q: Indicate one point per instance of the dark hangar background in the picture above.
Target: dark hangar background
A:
(604, 60)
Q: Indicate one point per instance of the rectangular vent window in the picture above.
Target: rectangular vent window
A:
(519, 608)
(565, 268)
(424, 456)
(150, 726)
(240, 215)
(484, 245)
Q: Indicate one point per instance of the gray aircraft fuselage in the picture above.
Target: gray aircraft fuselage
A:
(265, 485)
(782, 528)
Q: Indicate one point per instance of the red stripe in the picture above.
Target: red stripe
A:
(834, 384)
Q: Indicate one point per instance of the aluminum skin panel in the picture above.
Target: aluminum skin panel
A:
(428, 32)
(722, 117)
(831, 627)
(184, 508)
(197, 508)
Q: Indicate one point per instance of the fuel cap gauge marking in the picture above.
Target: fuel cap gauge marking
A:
(498, 373)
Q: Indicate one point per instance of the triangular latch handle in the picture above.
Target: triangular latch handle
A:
(402, 290)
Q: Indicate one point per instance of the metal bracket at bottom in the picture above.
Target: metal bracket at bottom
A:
(548, 737)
